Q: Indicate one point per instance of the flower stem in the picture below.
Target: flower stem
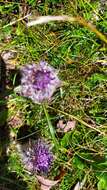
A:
(50, 127)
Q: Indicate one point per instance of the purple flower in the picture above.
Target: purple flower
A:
(38, 157)
(39, 82)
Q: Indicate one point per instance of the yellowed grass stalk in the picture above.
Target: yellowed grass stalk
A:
(80, 20)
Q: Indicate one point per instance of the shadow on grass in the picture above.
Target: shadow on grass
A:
(8, 180)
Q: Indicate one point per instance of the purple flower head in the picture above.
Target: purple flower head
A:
(39, 82)
(38, 158)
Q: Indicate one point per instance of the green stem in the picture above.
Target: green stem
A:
(50, 127)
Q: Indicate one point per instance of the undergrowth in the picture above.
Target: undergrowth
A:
(80, 57)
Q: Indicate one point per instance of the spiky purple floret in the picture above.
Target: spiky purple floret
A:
(43, 157)
(39, 82)
(38, 158)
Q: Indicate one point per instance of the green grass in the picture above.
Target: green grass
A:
(77, 53)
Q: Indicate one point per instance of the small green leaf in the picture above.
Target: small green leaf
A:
(78, 163)
(102, 184)
(66, 139)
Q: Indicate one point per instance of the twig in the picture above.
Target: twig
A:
(78, 119)
(11, 23)
(46, 19)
